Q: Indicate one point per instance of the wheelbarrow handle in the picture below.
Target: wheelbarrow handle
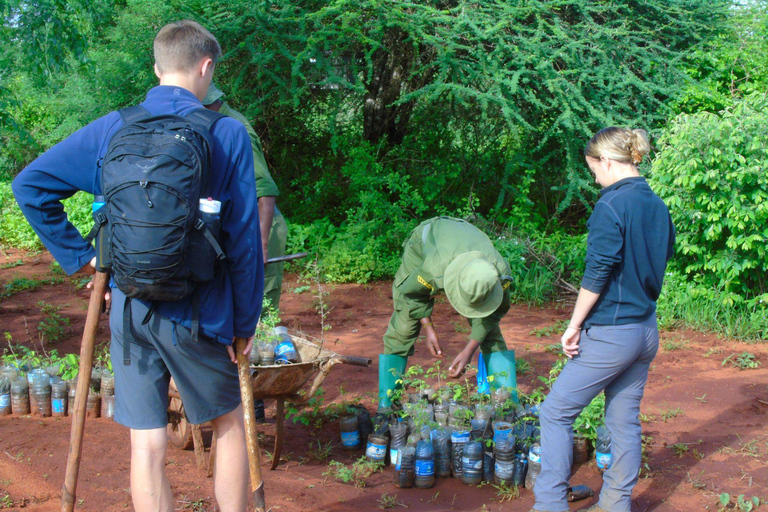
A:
(287, 257)
(357, 361)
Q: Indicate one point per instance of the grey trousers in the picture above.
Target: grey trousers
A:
(614, 358)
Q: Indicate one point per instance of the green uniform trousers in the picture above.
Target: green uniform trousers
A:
(273, 273)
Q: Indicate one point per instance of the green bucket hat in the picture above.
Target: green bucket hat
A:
(213, 94)
(472, 285)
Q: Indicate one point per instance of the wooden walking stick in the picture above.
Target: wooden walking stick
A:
(100, 281)
(254, 454)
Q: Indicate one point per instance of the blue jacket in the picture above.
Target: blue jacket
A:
(631, 238)
(230, 305)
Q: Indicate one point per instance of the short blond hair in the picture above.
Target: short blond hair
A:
(620, 144)
(180, 45)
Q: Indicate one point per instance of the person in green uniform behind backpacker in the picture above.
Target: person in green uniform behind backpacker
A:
(274, 230)
(448, 254)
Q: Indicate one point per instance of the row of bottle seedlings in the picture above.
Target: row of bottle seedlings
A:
(275, 348)
(43, 392)
(434, 435)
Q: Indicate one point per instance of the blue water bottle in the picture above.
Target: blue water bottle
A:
(285, 352)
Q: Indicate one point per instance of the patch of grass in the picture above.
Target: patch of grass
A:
(550, 330)
(743, 361)
(11, 264)
(321, 452)
(460, 327)
(200, 505)
(387, 502)
(21, 284)
(646, 447)
(696, 482)
(506, 493)
(672, 413)
(647, 418)
(669, 346)
(712, 351)
(522, 366)
(356, 474)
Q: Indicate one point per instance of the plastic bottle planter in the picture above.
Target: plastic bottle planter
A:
(477, 427)
(285, 351)
(580, 450)
(398, 432)
(441, 444)
(405, 471)
(501, 431)
(458, 439)
(603, 449)
(425, 465)
(350, 434)
(520, 470)
(504, 454)
(20, 396)
(5, 395)
(483, 412)
(472, 463)
(40, 396)
(488, 465)
(534, 465)
(93, 405)
(253, 356)
(267, 352)
(71, 393)
(107, 395)
(59, 399)
(376, 449)
(364, 423)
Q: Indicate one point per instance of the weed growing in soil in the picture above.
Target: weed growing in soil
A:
(387, 502)
(550, 330)
(647, 418)
(321, 452)
(506, 493)
(357, 473)
(743, 361)
(195, 506)
(645, 458)
(21, 284)
(53, 327)
(522, 366)
(6, 501)
(672, 413)
(680, 449)
(669, 346)
(742, 503)
(712, 351)
(12, 264)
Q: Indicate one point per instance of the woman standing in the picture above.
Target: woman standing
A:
(612, 336)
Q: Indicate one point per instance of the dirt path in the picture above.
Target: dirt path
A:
(719, 413)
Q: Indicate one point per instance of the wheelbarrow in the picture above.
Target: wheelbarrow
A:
(278, 382)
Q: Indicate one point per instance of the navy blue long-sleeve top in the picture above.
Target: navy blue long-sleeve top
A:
(631, 238)
(230, 305)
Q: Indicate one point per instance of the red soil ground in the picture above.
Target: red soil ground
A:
(722, 418)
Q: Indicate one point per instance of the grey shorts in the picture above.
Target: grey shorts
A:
(206, 378)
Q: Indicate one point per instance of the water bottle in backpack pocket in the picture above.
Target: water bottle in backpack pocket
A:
(201, 254)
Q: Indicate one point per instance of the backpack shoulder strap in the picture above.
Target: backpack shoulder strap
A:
(133, 114)
(204, 117)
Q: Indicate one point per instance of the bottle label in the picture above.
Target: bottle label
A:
(57, 405)
(468, 463)
(375, 451)
(460, 436)
(425, 467)
(534, 457)
(394, 455)
(5, 400)
(603, 460)
(350, 438)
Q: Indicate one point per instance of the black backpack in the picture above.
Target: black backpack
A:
(150, 233)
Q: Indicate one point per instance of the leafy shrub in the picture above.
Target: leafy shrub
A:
(711, 173)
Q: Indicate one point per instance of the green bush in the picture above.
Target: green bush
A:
(15, 231)
(711, 172)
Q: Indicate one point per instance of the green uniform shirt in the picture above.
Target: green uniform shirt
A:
(429, 250)
(265, 185)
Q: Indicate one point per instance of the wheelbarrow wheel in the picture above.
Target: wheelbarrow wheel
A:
(179, 430)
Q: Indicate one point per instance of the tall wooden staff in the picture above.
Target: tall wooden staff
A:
(100, 282)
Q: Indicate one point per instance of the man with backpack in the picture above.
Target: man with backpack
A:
(274, 230)
(179, 231)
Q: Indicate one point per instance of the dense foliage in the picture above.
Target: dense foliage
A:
(376, 114)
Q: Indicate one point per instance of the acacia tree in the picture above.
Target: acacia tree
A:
(553, 70)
